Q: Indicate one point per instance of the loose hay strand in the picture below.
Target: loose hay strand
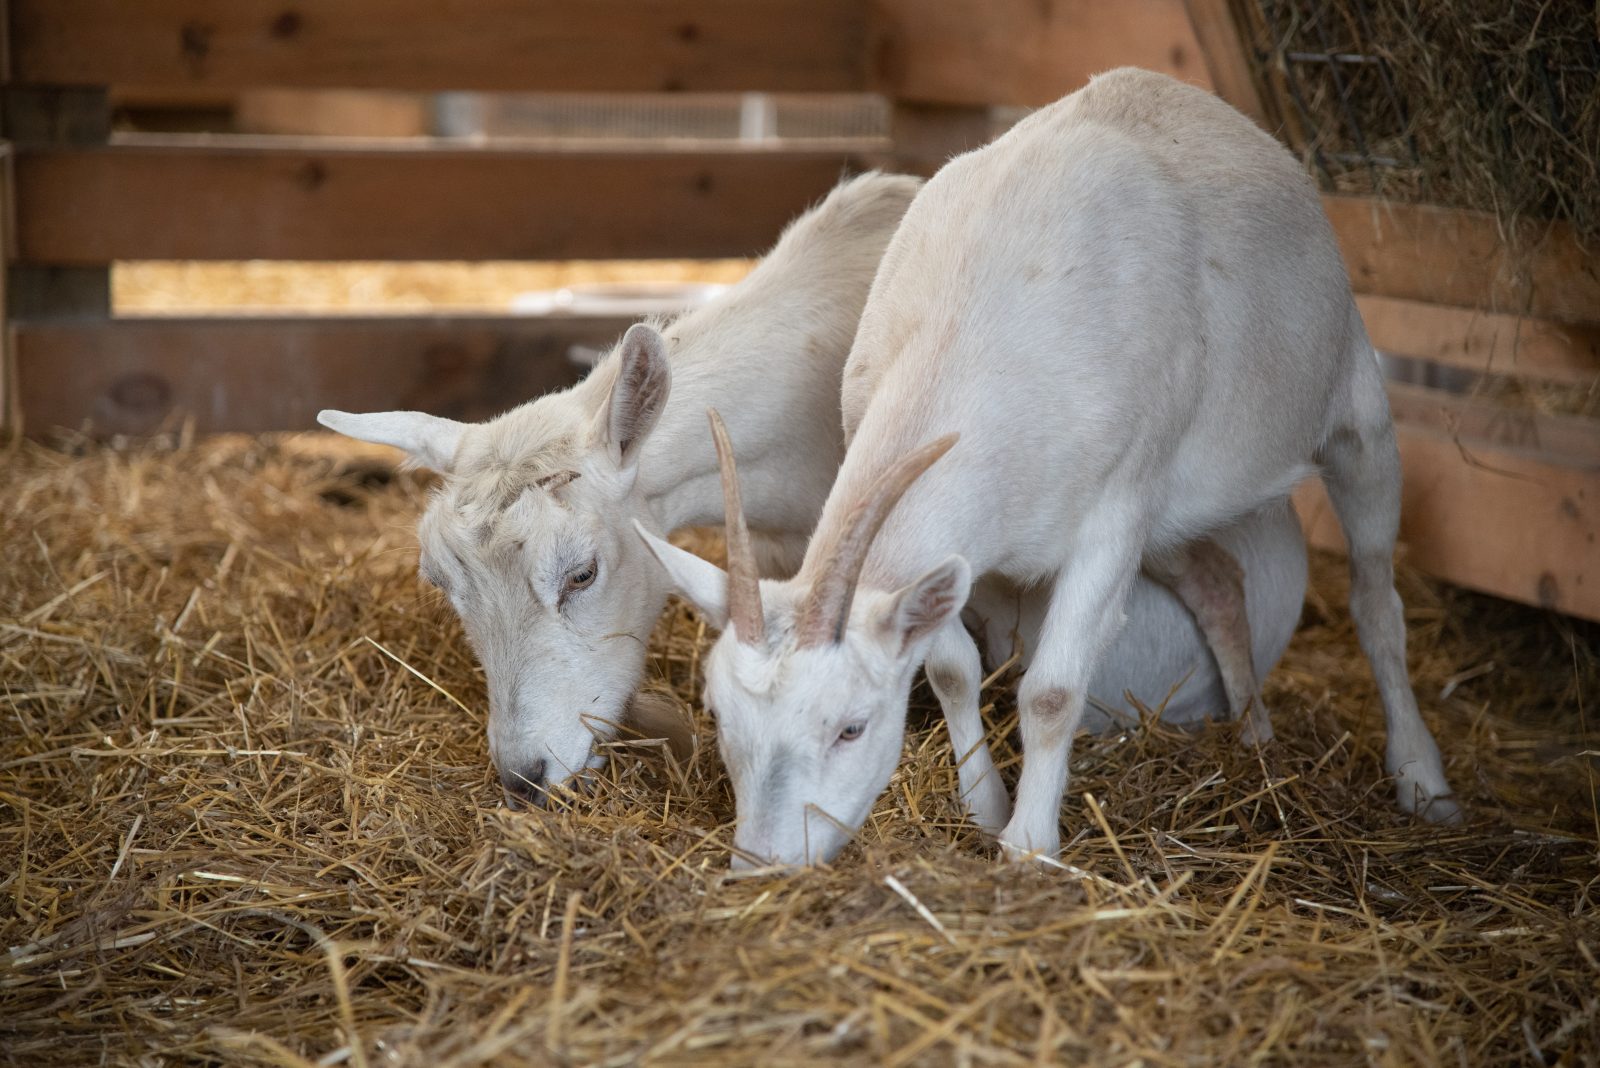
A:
(251, 838)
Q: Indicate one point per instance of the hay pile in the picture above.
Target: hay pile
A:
(1483, 104)
(245, 821)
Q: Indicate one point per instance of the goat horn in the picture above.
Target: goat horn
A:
(825, 612)
(744, 582)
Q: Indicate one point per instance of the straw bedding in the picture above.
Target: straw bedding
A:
(248, 819)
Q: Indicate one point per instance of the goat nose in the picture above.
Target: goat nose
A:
(525, 784)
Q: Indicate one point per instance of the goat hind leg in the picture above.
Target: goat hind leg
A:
(1361, 469)
(1208, 581)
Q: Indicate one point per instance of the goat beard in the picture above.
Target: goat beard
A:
(651, 714)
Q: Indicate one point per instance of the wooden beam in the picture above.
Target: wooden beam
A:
(1570, 441)
(1223, 47)
(141, 376)
(1490, 520)
(10, 408)
(264, 198)
(1485, 342)
(1024, 52)
(1447, 256)
(545, 45)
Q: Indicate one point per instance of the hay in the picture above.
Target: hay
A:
(248, 819)
(1487, 104)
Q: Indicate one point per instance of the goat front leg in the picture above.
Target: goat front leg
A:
(1209, 582)
(1085, 613)
(955, 672)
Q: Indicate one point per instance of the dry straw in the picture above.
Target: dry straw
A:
(238, 831)
(1486, 104)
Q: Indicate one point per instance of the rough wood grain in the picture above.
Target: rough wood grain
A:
(545, 45)
(1222, 46)
(1447, 256)
(1481, 341)
(1567, 440)
(1026, 52)
(267, 198)
(140, 376)
(1491, 520)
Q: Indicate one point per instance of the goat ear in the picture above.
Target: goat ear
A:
(639, 395)
(703, 583)
(429, 440)
(921, 608)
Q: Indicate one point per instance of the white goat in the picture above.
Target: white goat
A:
(1131, 311)
(529, 534)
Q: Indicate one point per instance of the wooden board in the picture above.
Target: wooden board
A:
(1485, 342)
(140, 376)
(10, 410)
(546, 45)
(1026, 52)
(1227, 63)
(1446, 256)
(1566, 440)
(266, 198)
(1489, 519)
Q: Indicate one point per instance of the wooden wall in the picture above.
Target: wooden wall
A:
(1498, 497)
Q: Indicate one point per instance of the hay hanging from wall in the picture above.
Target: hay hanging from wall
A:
(1492, 105)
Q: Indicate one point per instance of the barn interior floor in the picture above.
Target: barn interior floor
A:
(248, 817)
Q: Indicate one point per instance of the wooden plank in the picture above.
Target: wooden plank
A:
(1024, 52)
(193, 198)
(10, 410)
(1489, 520)
(140, 376)
(1222, 46)
(1570, 441)
(546, 45)
(1446, 256)
(1485, 342)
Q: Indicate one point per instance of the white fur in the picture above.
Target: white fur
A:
(770, 350)
(1132, 310)
(1160, 656)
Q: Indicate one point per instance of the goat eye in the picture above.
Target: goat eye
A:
(852, 731)
(583, 577)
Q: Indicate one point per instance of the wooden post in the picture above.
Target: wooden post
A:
(1223, 43)
(10, 408)
(32, 117)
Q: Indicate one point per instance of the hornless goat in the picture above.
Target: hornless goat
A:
(1131, 312)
